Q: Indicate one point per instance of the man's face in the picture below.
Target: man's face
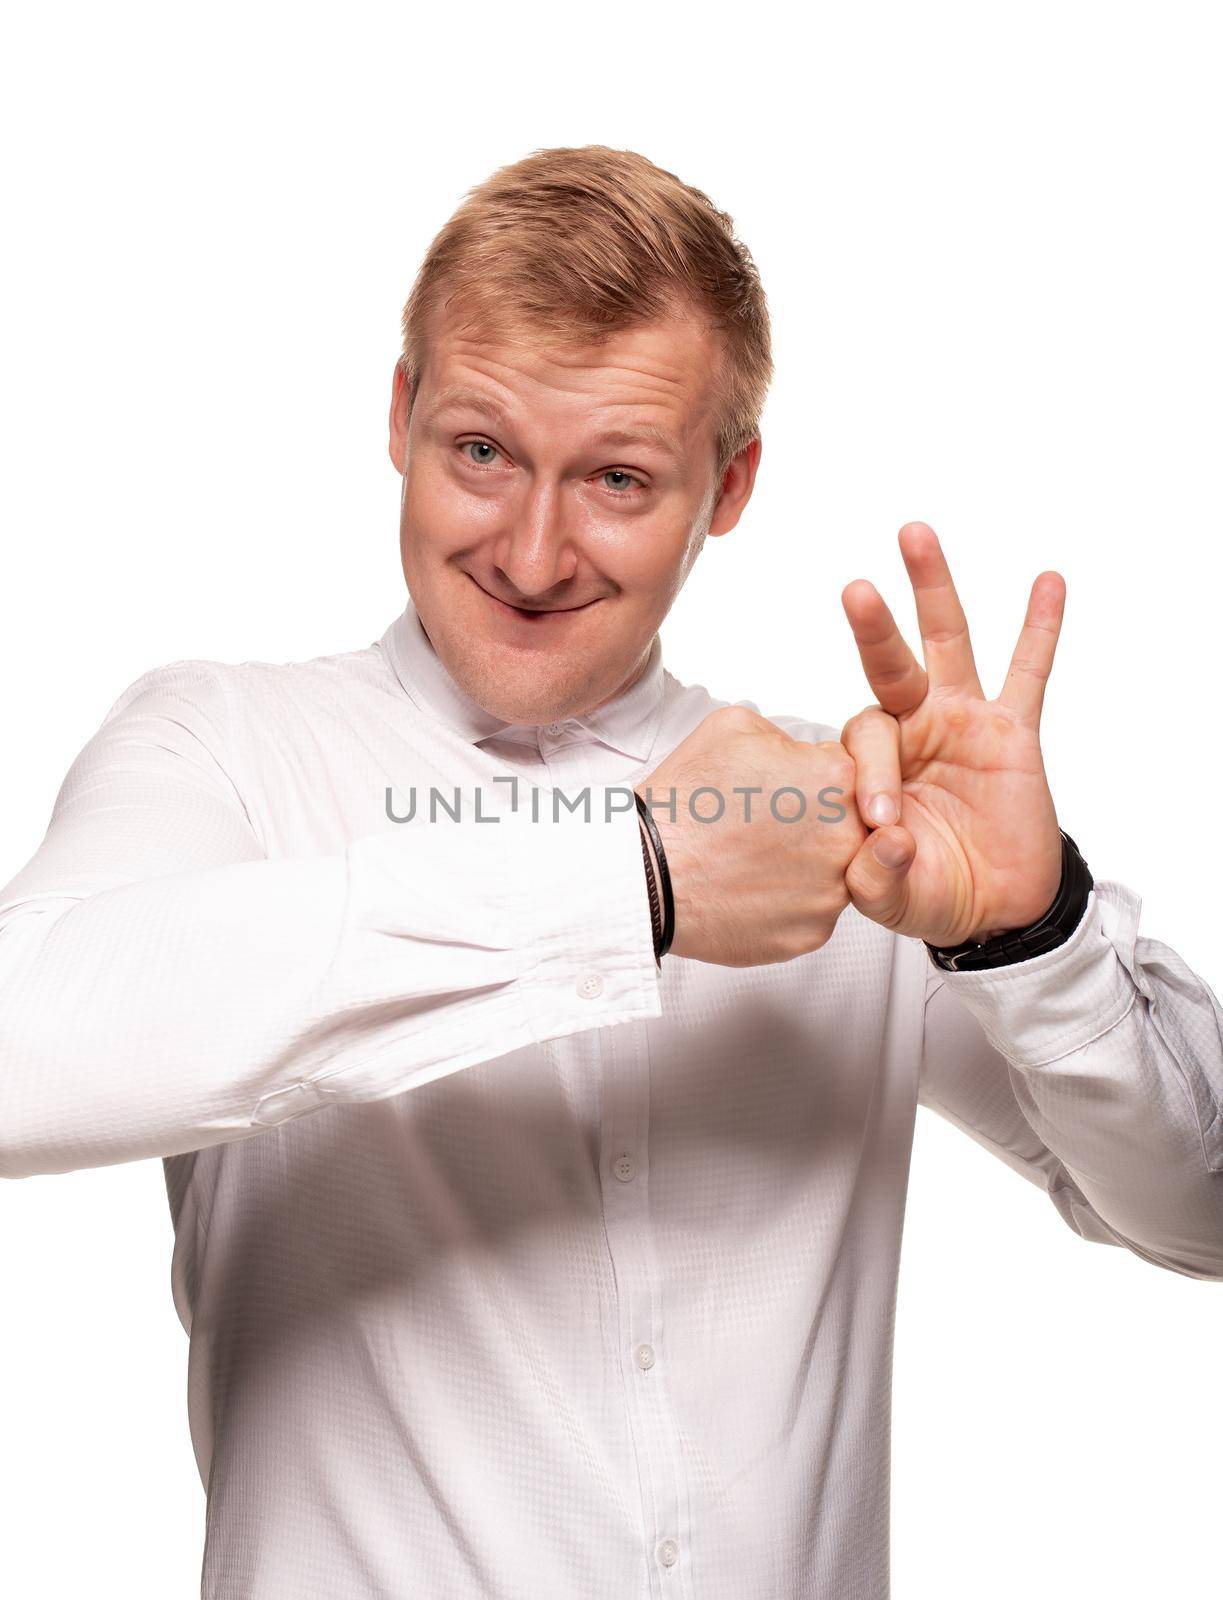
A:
(542, 556)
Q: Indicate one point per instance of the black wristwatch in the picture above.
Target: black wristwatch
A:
(1020, 944)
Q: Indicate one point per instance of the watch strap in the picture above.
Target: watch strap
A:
(1021, 944)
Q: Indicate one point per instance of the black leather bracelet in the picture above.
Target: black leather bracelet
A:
(651, 887)
(664, 878)
(1046, 933)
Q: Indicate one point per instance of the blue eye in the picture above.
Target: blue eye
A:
(626, 493)
(615, 472)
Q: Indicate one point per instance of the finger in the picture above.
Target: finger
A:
(897, 679)
(940, 616)
(872, 738)
(1024, 689)
(876, 877)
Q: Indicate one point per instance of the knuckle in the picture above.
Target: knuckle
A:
(817, 928)
(811, 931)
(834, 758)
(859, 885)
(1032, 669)
(797, 942)
(869, 717)
(734, 718)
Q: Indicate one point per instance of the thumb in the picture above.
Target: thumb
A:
(876, 876)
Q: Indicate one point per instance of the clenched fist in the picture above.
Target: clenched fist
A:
(763, 830)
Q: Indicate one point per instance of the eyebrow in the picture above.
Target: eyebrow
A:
(456, 397)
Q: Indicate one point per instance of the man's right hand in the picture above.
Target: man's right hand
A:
(751, 889)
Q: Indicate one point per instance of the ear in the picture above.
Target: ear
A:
(398, 431)
(736, 488)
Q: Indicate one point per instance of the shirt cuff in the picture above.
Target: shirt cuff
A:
(595, 952)
(1035, 1011)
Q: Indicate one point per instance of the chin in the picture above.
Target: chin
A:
(489, 690)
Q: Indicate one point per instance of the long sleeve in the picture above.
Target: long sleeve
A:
(1096, 1071)
(165, 986)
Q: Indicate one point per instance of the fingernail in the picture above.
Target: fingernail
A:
(890, 851)
(883, 809)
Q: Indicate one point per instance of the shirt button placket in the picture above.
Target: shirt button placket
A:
(626, 1109)
(624, 1136)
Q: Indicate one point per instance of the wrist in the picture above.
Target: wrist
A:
(1053, 928)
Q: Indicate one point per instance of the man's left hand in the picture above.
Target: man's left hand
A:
(973, 834)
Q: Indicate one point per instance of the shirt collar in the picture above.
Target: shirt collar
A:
(627, 723)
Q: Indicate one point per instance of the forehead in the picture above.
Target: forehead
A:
(662, 372)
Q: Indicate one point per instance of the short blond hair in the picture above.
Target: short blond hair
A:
(577, 243)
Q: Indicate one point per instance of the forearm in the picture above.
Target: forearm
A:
(1115, 1053)
(201, 1006)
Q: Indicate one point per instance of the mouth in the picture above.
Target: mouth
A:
(540, 617)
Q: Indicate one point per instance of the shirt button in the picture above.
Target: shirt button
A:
(625, 1168)
(589, 985)
(668, 1552)
(554, 727)
(645, 1356)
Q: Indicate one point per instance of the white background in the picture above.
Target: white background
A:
(990, 238)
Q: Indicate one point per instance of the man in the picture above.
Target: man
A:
(522, 1255)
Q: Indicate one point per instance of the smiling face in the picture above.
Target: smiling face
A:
(554, 502)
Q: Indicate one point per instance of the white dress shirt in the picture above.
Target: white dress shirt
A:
(515, 1267)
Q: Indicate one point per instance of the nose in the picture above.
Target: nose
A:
(536, 554)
